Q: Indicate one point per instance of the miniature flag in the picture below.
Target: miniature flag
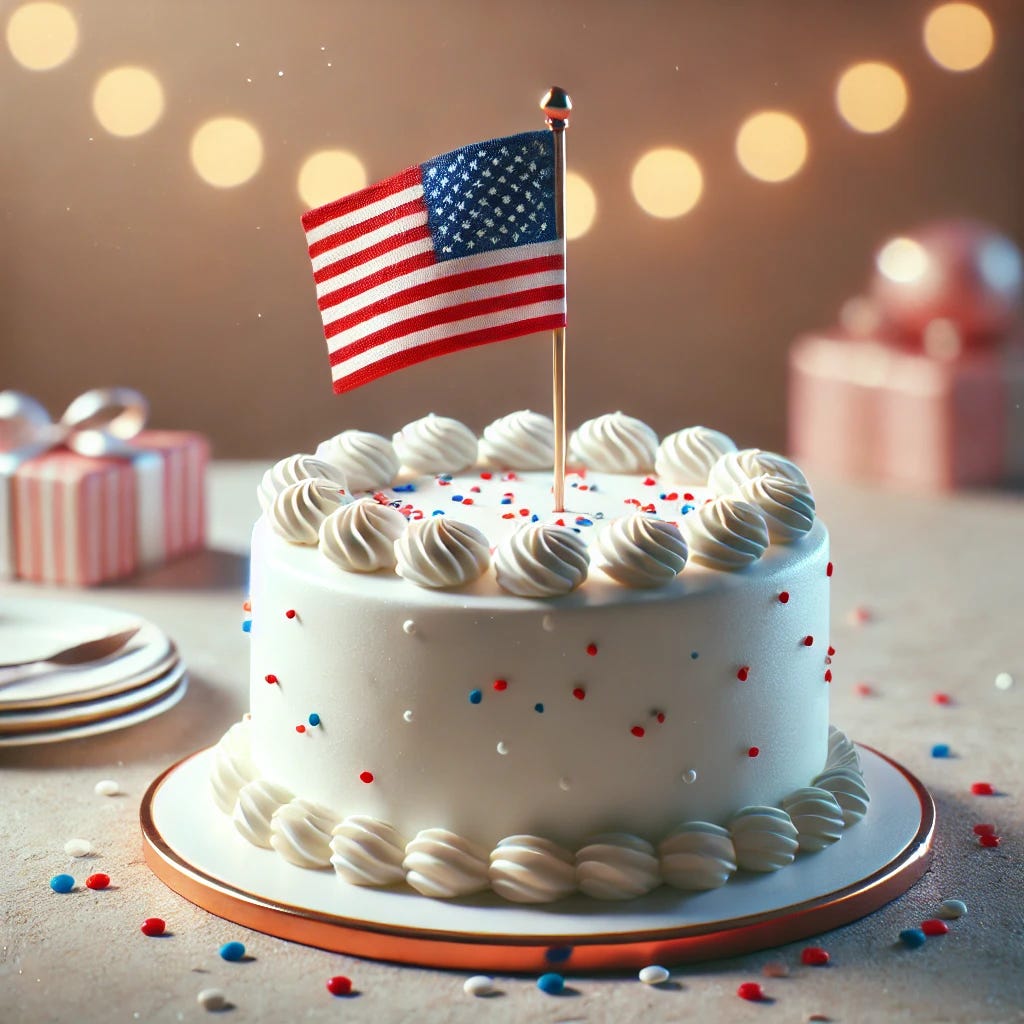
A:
(459, 251)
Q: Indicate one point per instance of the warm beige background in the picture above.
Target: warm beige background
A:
(119, 265)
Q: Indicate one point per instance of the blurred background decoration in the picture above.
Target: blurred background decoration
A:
(732, 169)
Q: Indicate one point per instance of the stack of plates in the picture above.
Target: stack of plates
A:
(44, 704)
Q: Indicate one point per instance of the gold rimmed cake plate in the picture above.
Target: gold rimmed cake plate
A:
(193, 847)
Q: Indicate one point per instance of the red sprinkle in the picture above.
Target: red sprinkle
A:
(467, 501)
(942, 698)
(486, 476)
(637, 730)
(743, 673)
(863, 690)
(501, 684)
(366, 777)
(153, 926)
(247, 607)
(290, 614)
(984, 830)
(300, 728)
(591, 649)
(784, 597)
(815, 956)
(340, 985)
(828, 675)
(989, 841)
(660, 717)
(750, 990)
(649, 481)
(933, 926)
(579, 693)
(753, 751)
(983, 789)
(828, 569)
(808, 640)
(524, 511)
(831, 650)
(509, 515)
(687, 496)
(271, 678)
(97, 881)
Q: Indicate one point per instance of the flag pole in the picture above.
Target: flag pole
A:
(557, 106)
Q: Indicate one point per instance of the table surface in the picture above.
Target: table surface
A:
(942, 580)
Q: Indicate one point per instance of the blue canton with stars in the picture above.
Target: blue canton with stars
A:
(493, 195)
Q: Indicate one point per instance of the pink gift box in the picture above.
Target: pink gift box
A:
(860, 408)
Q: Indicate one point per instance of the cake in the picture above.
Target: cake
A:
(454, 689)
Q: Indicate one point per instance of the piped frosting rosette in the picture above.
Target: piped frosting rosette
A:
(541, 560)
(367, 461)
(734, 469)
(614, 443)
(436, 444)
(787, 505)
(642, 552)
(521, 440)
(726, 534)
(292, 470)
(299, 510)
(440, 552)
(360, 537)
(686, 457)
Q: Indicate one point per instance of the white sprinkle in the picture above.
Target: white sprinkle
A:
(502, 747)
(952, 909)
(409, 627)
(1004, 681)
(653, 975)
(106, 787)
(212, 999)
(407, 714)
(547, 623)
(775, 969)
(689, 777)
(478, 985)
(280, 74)
(564, 784)
(78, 847)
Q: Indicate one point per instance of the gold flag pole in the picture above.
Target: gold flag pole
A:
(556, 106)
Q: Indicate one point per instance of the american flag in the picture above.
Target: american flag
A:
(459, 251)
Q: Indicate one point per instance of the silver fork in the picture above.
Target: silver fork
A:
(80, 654)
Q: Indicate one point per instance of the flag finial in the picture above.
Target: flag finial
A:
(556, 105)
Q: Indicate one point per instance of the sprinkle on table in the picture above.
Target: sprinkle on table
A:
(775, 969)
(953, 909)
(500, 684)
(983, 789)
(784, 597)
(153, 926)
(751, 991)
(933, 926)
(270, 678)
(478, 985)
(106, 787)
(232, 951)
(940, 750)
(1004, 681)
(814, 956)
(551, 984)
(291, 613)
(300, 728)
(753, 751)
(314, 719)
(942, 699)
(366, 777)
(864, 690)
(212, 999)
(808, 641)
(62, 883)
(989, 842)
(653, 974)
(743, 674)
(579, 692)
(78, 847)
(913, 938)
(638, 731)
(592, 649)
(475, 696)
(97, 881)
(339, 985)
(984, 830)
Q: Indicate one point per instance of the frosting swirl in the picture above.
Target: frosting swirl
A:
(541, 560)
(617, 866)
(639, 551)
(788, 506)
(441, 864)
(257, 802)
(764, 838)
(368, 461)
(727, 534)
(520, 440)
(841, 751)
(528, 869)
(817, 817)
(293, 470)
(366, 851)
(733, 469)
(614, 443)
(300, 508)
(697, 855)
(232, 766)
(300, 831)
(441, 552)
(686, 457)
(360, 537)
(847, 786)
(436, 444)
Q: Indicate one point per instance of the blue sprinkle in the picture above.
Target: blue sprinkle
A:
(695, 655)
(576, 529)
(539, 708)
(247, 626)
(940, 750)
(456, 497)
(913, 938)
(437, 512)
(552, 984)
(576, 484)
(232, 951)
(447, 477)
(662, 497)
(506, 501)
(534, 518)
(475, 696)
(584, 521)
(687, 508)
(598, 515)
(593, 487)
(558, 954)
(62, 883)
(394, 504)
(314, 719)
(404, 488)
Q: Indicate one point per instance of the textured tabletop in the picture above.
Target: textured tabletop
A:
(941, 582)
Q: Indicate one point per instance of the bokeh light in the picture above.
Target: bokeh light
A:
(330, 174)
(902, 260)
(128, 101)
(871, 97)
(667, 182)
(41, 35)
(580, 205)
(958, 36)
(226, 151)
(771, 145)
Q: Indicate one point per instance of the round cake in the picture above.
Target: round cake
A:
(455, 688)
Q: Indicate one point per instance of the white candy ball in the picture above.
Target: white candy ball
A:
(478, 985)
(106, 787)
(653, 975)
(952, 909)
(212, 999)
(78, 847)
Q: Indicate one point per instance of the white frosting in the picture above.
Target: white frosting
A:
(847, 786)
(617, 867)
(300, 508)
(697, 855)
(292, 470)
(686, 457)
(640, 551)
(232, 766)
(257, 802)
(734, 469)
(540, 560)
(520, 440)
(441, 864)
(614, 443)
(300, 831)
(368, 461)
(841, 751)
(366, 851)
(360, 537)
(528, 869)
(726, 534)
(441, 552)
(436, 444)
(788, 506)
(765, 839)
(817, 817)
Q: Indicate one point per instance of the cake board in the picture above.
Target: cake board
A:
(194, 849)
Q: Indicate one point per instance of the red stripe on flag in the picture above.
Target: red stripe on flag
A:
(364, 284)
(366, 226)
(371, 194)
(450, 283)
(365, 255)
(445, 315)
(444, 346)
